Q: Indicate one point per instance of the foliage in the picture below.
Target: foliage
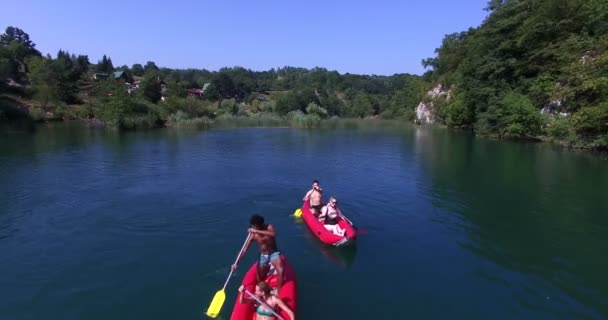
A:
(315, 109)
(105, 65)
(528, 55)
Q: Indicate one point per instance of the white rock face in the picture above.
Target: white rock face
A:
(555, 108)
(425, 112)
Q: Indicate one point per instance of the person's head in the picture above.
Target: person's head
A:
(315, 184)
(256, 221)
(333, 201)
(262, 289)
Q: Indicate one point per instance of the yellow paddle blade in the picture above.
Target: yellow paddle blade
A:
(298, 212)
(216, 304)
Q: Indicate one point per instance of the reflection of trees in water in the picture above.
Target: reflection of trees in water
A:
(527, 207)
(343, 256)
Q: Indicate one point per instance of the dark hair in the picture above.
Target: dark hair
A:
(256, 220)
(315, 181)
(265, 287)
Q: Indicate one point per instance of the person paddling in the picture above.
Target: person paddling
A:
(263, 293)
(315, 195)
(330, 215)
(269, 262)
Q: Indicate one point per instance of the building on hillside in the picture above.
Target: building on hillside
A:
(120, 75)
(163, 89)
(194, 92)
(99, 76)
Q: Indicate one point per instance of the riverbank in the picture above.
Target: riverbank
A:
(300, 121)
(185, 114)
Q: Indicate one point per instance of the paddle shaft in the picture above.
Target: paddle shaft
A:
(265, 304)
(351, 223)
(237, 260)
(345, 218)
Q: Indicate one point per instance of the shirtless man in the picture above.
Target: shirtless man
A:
(315, 195)
(264, 235)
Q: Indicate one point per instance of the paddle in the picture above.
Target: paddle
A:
(361, 231)
(220, 296)
(265, 305)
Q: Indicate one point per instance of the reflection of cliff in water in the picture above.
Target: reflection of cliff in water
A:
(531, 208)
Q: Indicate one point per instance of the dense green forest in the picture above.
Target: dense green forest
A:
(69, 86)
(533, 69)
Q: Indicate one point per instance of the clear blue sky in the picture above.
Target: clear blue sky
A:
(366, 37)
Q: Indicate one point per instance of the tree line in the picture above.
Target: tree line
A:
(71, 86)
(534, 69)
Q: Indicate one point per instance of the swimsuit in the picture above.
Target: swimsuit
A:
(264, 312)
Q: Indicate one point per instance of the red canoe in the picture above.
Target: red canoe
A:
(246, 311)
(325, 235)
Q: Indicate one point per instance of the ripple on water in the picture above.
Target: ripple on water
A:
(96, 231)
(183, 220)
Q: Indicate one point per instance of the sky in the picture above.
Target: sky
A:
(363, 37)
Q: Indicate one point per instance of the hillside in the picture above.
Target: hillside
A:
(69, 86)
(534, 69)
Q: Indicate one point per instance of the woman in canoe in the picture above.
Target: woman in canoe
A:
(330, 215)
(263, 292)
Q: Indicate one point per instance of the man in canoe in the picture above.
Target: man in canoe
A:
(269, 262)
(315, 195)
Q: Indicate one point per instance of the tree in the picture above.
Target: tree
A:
(105, 65)
(7, 65)
(224, 86)
(151, 87)
(150, 66)
(137, 70)
(526, 55)
(81, 64)
(44, 80)
(16, 35)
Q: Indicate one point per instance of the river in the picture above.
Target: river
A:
(96, 224)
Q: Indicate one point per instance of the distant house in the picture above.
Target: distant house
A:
(163, 88)
(198, 92)
(194, 92)
(99, 76)
(12, 83)
(120, 75)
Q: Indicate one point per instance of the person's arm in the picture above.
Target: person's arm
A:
(323, 214)
(307, 195)
(285, 308)
(340, 213)
(242, 298)
(269, 232)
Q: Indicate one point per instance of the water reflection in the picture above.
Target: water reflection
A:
(528, 208)
(342, 256)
